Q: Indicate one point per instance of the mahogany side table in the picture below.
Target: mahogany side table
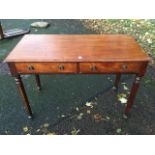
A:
(77, 54)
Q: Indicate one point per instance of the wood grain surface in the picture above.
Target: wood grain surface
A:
(77, 48)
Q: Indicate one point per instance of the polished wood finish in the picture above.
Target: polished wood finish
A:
(77, 48)
(21, 89)
(31, 68)
(111, 67)
(107, 67)
(85, 54)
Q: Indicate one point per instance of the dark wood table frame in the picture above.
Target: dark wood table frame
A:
(93, 60)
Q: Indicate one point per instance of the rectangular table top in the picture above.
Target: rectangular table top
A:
(77, 48)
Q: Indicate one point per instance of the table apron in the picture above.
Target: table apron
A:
(75, 68)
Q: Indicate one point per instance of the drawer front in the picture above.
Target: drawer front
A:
(46, 68)
(110, 67)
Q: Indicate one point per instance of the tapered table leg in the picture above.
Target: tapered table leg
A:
(117, 80)
(38, 82)
(21, 89)
(133, 92)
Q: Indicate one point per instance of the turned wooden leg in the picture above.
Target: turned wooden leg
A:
(117, 80)
(38, 81)
(21, 89)
(133, 92)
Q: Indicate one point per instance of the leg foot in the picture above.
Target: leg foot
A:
(126, 116)
(30, 117)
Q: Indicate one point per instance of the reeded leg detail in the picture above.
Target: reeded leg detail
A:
(21, 89)
(117, 80)
(37, 78)
(133, 92)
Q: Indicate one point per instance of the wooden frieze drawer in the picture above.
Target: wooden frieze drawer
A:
(111, 67)
(46, 67)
